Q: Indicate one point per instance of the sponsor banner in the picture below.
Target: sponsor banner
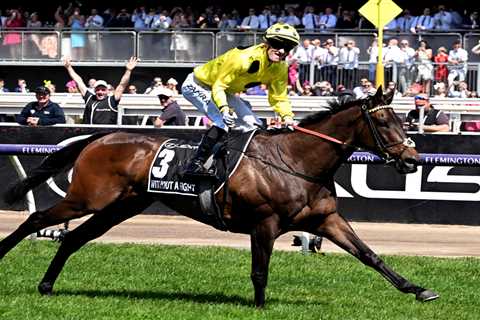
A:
(436, 193)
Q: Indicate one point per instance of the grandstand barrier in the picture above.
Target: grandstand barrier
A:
(445, 190)
(183, 48)
(467, 109)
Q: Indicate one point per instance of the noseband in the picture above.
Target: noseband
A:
(382, 148)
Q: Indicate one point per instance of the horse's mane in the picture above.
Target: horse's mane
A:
(334, 106)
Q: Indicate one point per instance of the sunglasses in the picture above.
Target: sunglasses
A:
(277, 45)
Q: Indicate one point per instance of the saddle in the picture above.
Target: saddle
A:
(166, 172)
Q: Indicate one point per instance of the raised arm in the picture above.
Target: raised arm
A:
(75, 77)
(131, 64)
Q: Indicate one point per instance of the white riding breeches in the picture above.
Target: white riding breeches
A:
(200, 95)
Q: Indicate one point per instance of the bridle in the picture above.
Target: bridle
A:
(381, 149)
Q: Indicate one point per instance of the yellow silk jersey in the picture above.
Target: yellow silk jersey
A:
(238, 69)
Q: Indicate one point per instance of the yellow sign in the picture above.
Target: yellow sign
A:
(380, 12)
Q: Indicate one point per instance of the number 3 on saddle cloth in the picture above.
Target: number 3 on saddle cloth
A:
(166, 177)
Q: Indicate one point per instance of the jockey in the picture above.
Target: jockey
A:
(212, 88)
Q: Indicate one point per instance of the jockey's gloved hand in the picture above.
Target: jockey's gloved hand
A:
(288, 122)
(229, 116)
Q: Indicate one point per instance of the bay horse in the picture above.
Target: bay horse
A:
(285, 182)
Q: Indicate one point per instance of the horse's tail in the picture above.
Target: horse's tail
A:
(50, 166)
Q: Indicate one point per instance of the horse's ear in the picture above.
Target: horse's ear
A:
(388, 97)
(378, 97)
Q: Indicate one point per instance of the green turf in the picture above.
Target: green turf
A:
(168, 282)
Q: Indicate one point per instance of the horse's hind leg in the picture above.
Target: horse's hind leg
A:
(65, 210)
(93, 228)
(337, 229)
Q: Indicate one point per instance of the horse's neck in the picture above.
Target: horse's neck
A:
(316, 155)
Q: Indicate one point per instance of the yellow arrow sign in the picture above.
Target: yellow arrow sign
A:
(380, 12)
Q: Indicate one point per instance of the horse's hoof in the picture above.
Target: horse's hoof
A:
(427, 295)
(45, 288)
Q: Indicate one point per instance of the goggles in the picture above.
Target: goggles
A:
(279, 44)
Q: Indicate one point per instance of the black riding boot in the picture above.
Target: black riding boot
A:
(204, 151)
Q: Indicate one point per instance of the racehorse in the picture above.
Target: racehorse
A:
(285, 182)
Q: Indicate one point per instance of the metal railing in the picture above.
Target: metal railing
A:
(143, 104)
(175, 47)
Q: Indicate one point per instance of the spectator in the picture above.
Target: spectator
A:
(130, 120)
(50, 86)
(124, 20)
(306, 90)
(21, 86)
(303, 55)
(424, 22)
(392, 86)
(171, 112)
(266, 19)
(348, 57)
(42, 112)
(154, 85)
(72, 87)
(251, 21)
(227, 23)
(345, 21)
(330, 62)
(373, 59)
(310, 20)
(441, 60)
(172, 85)
(471, 21)
(457, 59)
(392, 55)
(12, 39)
(323, 89)
(363, 89)
(292, 18)
(34, 21)
(405, 68)
(138, 18)
(77, 38)
(443, 19)
(179, 20)
(440, 90)
(476, 49)
(91, 84)
(94, 21)
(404, 23)
(2, 86)
(459, 90)
(328, 20)
(99, 107)
(59, 18)
(434, 120)
(423, 57)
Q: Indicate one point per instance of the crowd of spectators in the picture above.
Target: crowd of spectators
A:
(311, 18)
(415, 69)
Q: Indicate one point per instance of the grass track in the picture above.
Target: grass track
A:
(173, 282)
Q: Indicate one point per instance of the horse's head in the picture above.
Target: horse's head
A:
(386, 135)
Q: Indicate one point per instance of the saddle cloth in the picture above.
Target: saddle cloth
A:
(173, 154)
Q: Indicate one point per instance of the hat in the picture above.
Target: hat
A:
(42, 90)
(161, 91)
(71, 84)
(99, 83)
(172, 81)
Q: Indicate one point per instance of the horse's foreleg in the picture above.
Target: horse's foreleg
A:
(63, 211)
(262, 239)
(93, 228)
(339, 231)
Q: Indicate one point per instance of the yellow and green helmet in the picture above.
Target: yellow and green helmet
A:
(282, 36)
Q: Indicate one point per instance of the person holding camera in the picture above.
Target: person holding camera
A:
(42, 112)
(433, 120)
(12, 39)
